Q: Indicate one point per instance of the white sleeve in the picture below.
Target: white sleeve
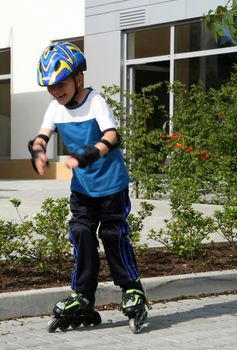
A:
(48, 121)
(103, 113)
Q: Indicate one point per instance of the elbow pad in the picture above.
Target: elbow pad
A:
(109, 145)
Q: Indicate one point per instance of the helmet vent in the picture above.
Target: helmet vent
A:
(57, 66)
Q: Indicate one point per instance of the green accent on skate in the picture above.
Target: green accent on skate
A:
(135, 294)
(75, 302)
(72, 305)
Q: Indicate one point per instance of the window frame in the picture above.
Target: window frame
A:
(7, 77)
(128, 65)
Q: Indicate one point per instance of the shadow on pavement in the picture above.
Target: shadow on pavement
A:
(207, 311)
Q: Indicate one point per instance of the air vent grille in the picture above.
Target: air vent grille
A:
(132, 18)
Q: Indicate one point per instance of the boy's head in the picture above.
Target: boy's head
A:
(60, 69)
(59, 61)
(65, 91)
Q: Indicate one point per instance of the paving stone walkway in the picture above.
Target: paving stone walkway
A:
(192, 324)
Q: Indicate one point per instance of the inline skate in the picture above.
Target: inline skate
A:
(73, 311)
(133, 306)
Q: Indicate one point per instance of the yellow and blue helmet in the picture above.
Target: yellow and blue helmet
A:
(58, 61)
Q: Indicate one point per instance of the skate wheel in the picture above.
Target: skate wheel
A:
(133, 325)
(136, 323)
(64, 326)
(93, 319)
(53, 325)
(96, 318)
(75, 325)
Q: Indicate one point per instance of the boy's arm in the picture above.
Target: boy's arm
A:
(37, 149)
(108, 142)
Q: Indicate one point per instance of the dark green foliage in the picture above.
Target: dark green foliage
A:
(43, 240)
(223, 17)
(136, 225)
(142, 144)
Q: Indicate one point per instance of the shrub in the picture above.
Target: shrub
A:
(136, 224)
(42, 240)
(184, 233)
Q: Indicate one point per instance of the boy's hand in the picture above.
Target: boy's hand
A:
(90, 155)
(38, 157)
(41, 163)
(71, 162)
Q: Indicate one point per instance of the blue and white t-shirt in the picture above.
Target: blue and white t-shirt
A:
(84, 125)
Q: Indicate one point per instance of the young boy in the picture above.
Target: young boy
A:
(99, 186)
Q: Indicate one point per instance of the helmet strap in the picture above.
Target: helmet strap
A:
(72, 102)
(76, 91)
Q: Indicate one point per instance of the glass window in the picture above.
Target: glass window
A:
(61, 149)
(76, 41)
(149, 74)
(148, 43)
(79, 43)
(212, 70)
(196, 36)
(5, 118)
(5, 61)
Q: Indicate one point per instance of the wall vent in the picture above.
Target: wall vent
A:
(132, 18)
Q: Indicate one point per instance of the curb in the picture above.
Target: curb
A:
(38, 302)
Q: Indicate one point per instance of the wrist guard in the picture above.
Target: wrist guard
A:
(43, 137)
(90, 155)
(35, 153)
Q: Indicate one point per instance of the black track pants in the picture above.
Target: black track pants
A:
(109, 215)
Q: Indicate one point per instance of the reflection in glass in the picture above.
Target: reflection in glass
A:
(196, 36)
(211, 70)
(149, 74)
(5, 61)
(148, 43)
(5, 121)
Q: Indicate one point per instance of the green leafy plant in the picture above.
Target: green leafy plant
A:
(136, 225)
(202, 164)
(222, 18)
(227, 223)
(201, 152)
(9, 240)
(184, 233)
(42, 240)
(143, 154)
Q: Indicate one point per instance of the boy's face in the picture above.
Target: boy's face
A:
(63, 91)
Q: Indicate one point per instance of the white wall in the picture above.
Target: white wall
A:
(103, 53)
(200, 7)
(27, 27)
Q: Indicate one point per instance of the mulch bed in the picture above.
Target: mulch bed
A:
(152, 262)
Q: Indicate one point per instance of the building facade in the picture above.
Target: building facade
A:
(129, 43)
